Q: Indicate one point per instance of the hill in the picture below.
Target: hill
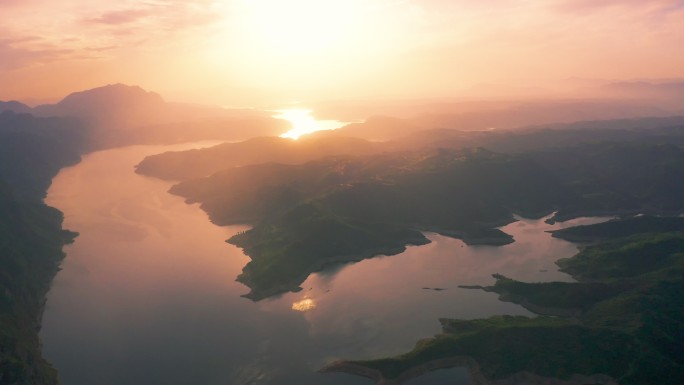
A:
(198, 163)
(118, 115)
(32, 151)
(15, 106)
(625, 322)
(460, 193)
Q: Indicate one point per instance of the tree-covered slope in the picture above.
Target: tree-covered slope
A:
(31, 240)
(463, 193)
(627, 320)
(32, 150)
(375, 204)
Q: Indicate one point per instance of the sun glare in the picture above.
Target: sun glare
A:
(302, 122)
(301, 26)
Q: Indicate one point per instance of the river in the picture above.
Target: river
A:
(147, 293)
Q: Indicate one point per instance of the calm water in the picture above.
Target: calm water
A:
(147, 293)
(303, 122)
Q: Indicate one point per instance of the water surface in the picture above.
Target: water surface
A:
(147, 293)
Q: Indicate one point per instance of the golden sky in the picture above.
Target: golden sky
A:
(243, 52)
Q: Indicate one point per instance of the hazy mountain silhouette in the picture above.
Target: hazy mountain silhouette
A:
(378, 128)
(112, 106)
(198, 163)
(15, 106)
(119, 115)
(493, 114)
(640, 89)
(32, 151)
(666, 94)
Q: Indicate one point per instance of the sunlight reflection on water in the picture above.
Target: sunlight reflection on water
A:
(147, 294)
(304, 123)
(304, 305)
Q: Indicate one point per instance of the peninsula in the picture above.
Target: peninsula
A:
(343, 208)
(621, 323)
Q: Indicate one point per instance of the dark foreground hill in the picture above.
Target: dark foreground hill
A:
(32, 151)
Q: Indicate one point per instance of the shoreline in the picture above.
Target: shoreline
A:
(293, 285)
(505, 296)
(350, 367)
(476, 375)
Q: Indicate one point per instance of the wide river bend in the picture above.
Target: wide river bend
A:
(147, 293)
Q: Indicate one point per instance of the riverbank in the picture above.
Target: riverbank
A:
(31, 241)
(617, 324)
(32, 151)
(416, 371)
(292, 282)
(476, 376)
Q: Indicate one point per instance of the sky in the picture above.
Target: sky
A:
(247, 52)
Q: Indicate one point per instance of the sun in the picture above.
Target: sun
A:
(286, 50)
(302, 26)
(303, 122)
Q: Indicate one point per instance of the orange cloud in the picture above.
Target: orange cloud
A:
(122, 17)
(318, 48)
(14, 55)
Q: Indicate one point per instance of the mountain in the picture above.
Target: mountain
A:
(349, 208)
(377, 128)
(400, 119)
(118, 115)
(113, 106)
(199, 163)
(179, 165)
(15, 106)
(644, 90)
(667, 94)
(642, 130)
(32, 151)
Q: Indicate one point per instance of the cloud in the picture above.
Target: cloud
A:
(10, 3)
(154, 22)
(14, 57)
(642, 7)
(121, 17)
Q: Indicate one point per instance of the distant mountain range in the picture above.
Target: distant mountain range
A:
(14, 106)
(113, 105)
(119, 114)
(641, 89)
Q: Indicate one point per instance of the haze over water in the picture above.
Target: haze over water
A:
(147, 293)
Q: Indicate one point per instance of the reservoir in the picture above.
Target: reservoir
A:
(147, 293)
